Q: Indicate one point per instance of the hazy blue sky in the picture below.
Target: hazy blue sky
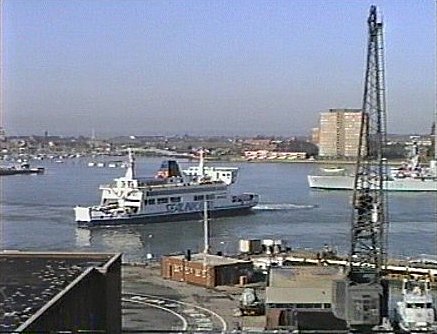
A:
(208, 66)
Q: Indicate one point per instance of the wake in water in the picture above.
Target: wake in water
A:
(282, 206)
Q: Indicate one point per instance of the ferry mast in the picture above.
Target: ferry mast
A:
(361, 298)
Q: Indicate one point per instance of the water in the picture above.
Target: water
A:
(37, 214)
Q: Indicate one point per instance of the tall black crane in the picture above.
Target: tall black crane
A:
(361, 297)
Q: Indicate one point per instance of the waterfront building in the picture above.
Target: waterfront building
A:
(300, 298)
(54, 292)
(274, 155)
(315, 136)
(339, 133)
(261, 144)
(3, 140)
(206, 269)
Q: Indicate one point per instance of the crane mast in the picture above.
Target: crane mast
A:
(361, 297)
(369, 216)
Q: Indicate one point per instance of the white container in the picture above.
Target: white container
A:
(250, 246)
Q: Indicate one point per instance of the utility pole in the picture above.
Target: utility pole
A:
(361, 298)
(205, 228)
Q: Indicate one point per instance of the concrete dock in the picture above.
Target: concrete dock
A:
(147, 299)
(151, 302)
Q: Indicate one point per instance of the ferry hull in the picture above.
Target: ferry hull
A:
(154, 218)
(342, 182)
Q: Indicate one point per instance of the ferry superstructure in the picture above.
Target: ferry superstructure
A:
(169, 196)
(226, 174)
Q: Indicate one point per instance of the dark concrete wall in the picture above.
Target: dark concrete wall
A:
(230, 274)
(113, 295)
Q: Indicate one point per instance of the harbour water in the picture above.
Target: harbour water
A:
(37, 214)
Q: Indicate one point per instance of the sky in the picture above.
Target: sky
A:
(207, 67)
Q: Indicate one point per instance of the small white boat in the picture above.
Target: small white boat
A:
(333, 169)
(416, 313)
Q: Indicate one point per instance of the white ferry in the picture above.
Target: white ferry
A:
(169, 196)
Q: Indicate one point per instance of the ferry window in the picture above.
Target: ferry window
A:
(162, 200)
(198, 197)
(151, 201)
(175, 199)
(221, 196)
(212, 196)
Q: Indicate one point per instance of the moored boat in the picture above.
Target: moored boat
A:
(346, 182)
(24, 168)
(168, 196)
(416, 312)
(410, 177)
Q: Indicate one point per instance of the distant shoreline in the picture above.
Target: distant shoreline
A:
(317, 162)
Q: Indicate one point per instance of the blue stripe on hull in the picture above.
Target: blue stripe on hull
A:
(146, 219)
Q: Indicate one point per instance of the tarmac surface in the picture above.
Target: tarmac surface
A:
(153, 303)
